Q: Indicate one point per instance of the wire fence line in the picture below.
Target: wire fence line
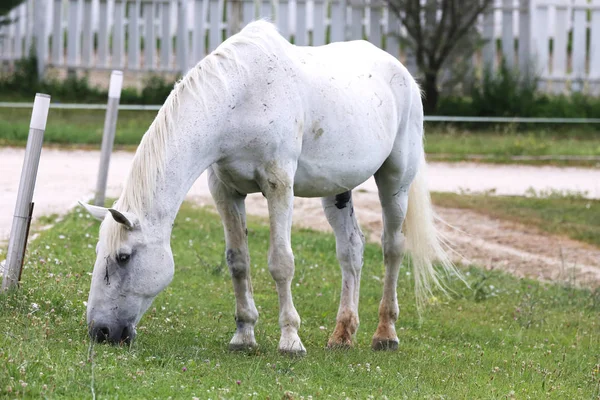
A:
(428, 118)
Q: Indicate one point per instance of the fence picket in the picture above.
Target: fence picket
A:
(166, 49)
(133, 39)
(301, 31)
(375, 26)
(247, 11)
(149, 36)
(559, 52)
(579, 39)
(87, 43)
(338, 20)
(595, 48)
(525, 56)
(57, 33)
(118, 48)
(29, 25)
(73, 34)
(40, 36)
(392, 32)
(265, 9)
(540, 34)
(214, 34)
(489, 49)
(199, 37)
(103, 33)
(508, 40)
(182, 37)
(318, 33)
(283, 19)
(356, 27)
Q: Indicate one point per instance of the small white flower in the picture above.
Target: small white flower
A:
(35, 306)
(85, 303)
(61, 236)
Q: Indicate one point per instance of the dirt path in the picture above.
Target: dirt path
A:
(67, 176)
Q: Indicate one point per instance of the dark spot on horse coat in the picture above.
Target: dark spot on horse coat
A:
(236, 263)
(342, 199)
(230, 256)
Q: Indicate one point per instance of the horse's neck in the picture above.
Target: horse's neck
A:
(190, 151)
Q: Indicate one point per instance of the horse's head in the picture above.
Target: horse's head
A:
(133, 265)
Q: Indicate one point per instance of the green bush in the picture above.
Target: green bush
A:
(24, 82)
(508, 93)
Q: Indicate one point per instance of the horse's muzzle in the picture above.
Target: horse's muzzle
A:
(116, 334)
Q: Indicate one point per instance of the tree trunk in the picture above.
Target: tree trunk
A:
(432, 93)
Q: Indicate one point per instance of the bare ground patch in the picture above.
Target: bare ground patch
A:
(477, 239)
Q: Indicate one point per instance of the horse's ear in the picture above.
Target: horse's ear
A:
(97, 212)
(126, 218)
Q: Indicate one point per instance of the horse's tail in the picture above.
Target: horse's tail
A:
(424, 242)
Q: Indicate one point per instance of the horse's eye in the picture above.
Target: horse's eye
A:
(123, 258)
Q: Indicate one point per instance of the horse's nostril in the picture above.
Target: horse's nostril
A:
(101, 334)
(126, 335)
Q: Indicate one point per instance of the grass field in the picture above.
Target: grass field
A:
(557, 213)
(84, 128)
(507, 338)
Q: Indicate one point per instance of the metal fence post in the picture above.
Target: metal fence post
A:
(20, 226)
(108, 137)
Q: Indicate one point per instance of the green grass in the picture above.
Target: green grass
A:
(503, 145)
(565, 214)
(84, 128)
(508, 338)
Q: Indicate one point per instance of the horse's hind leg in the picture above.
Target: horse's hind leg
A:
(233, 214)
(393, 188)
(350, 241)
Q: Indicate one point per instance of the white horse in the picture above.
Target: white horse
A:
(263, 115)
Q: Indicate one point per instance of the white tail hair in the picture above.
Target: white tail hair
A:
(424, 242)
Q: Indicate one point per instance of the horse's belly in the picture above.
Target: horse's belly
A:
(331, 170)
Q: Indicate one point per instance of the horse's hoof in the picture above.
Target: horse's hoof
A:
(293, 353)
(242, 346)
(385, 344)
(293, 348)
(343, 344)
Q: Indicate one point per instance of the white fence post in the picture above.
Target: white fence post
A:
(20, 226)
(108, 136)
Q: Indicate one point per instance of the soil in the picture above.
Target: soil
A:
(67, 176)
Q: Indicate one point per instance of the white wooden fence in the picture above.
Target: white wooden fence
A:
(559, 38)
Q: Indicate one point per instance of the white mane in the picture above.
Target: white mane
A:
(205, 81)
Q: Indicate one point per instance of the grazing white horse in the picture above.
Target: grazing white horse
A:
(263, 115)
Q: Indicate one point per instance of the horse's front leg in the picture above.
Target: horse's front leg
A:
(233, 214)
(278, 189)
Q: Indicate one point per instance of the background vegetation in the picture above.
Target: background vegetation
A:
(505, 93)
